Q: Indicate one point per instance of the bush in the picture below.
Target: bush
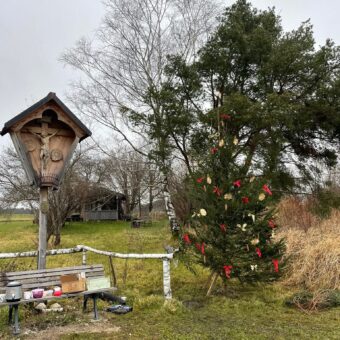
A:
(314, 255)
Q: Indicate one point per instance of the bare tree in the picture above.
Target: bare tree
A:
(14, 186)
(128, 58)
(16, 190)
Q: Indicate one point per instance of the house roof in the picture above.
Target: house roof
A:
(97, 193)
(50, 97)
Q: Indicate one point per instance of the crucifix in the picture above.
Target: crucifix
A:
(45, 144)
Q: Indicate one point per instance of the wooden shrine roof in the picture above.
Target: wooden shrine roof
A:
(50, 97)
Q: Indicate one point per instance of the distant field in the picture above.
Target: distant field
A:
(15, 217)
(243, 312)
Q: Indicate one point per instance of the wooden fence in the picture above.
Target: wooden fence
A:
(166, 258)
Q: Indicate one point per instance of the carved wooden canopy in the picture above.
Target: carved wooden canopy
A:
(45, 136)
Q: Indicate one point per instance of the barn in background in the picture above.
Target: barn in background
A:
(103, 204)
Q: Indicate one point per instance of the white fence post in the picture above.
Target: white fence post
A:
(166, 279)
(84, 257)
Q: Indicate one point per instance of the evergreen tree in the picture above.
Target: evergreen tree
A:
(282, 92)
(232, 228)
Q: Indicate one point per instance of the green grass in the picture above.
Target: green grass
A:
(240, 312)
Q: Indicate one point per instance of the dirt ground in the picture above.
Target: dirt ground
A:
(56, 332)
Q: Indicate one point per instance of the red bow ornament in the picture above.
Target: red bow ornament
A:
(186, 239)
(227, 271)
(217, 191)
(224, 116)
(245, 200)
(223, 227)
(237, 183)
(213, 150)
(276, 265)
(200, 180)
(200, 248)
(271, 224)
(258, 252)
(267, 190)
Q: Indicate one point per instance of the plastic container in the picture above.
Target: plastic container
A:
(37, 293)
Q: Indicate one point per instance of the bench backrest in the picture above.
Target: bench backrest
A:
(46, 278)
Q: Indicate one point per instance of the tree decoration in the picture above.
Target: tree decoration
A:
(221, 143)
(225, 116)
(200, 179)
(271, 224)
(227, 271)
(223, 227)
(276, 265)
(258, 252)
(242, 227)
(267, 190)
(228, 197)
(252, 217)
(262, 196)
(200, 247)
(217, 191)
(186, 239)
(209, 180)
(245, 200)
(253, 267)
(213, 150)
(237, 183)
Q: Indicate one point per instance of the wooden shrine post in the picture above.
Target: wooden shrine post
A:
(45, 137)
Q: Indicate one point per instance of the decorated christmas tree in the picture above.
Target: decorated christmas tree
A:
(232, 227)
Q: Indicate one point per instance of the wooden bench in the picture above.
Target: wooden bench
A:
(138, 222)
(46, 279)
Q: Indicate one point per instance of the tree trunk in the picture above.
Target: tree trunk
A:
(150, 198)
(169, 207)
(57, 239)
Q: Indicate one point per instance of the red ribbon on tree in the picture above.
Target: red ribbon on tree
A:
(267, 190)
(237, 183)
(217, 191)
(186, 239)
(276, 265)
(227, 271)
(223, 227)
(214, 150)
(200, 180)
(271, 224)
(258, 252)
(245, 200)
(225, 116)
(200, 247)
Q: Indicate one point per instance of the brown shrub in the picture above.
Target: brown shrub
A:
(314, 252)
(294, 213)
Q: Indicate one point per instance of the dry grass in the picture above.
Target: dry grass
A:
(294, 213)
(313, 246)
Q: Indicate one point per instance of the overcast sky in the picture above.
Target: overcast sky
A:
(34, 34)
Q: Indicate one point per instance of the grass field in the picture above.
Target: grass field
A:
(242, 312)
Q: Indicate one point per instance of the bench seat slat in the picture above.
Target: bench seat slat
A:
(43, 271)
(45, 275)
